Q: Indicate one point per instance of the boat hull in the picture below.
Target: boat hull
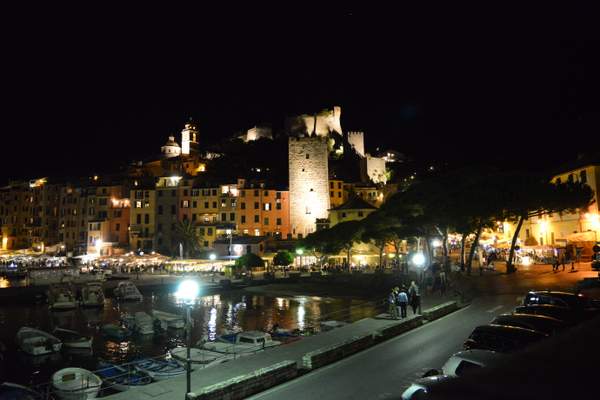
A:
(76, 384)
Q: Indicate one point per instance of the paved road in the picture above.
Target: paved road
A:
(384, 371)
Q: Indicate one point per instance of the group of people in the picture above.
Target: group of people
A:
(400, 298)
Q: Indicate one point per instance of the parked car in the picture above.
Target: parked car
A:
(423, 388)
(504, 339)
(467, 360)
(562, 313)
(540, 323)
(576, 302)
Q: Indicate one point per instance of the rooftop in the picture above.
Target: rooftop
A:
(355, 203)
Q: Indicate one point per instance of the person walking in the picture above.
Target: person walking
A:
(414, 297)
(402, 300)
(392, 304)
(443, 281)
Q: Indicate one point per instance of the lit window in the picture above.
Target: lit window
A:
(267, 206)
(138, 204)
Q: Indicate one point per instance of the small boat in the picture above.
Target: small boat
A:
(159, 369)
(12, 391)
(126, 290)
(140, 323)
(73, 339)
(115, 331)
(61, 297)
(76, 384)
(241, 342)
(92, 295)
(204, 357)
(329, 325)
(172, 320)
(122, 378)
(286, 335)
(35, 342)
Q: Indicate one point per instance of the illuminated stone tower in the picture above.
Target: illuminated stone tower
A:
(309, 180)
(189, 143)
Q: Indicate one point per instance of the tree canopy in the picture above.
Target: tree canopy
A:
(283, 258)
(249, 261)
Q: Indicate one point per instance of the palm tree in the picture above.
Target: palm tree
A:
(187, 234)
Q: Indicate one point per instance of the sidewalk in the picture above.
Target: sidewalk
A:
(241, 368)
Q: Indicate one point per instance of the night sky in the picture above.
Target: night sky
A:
(94, 92)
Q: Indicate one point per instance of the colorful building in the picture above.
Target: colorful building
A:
(264, 211)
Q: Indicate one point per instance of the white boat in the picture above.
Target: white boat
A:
(61, 297)
(72, 339)
(76, 384)
(159, 369)
(144, 324)
(35, 342)
(329, 325)
(92, 295)
(204, 357)
(242, 342)
(172, 320)
(127, 291)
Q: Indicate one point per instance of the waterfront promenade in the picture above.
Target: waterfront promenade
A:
(258, 372)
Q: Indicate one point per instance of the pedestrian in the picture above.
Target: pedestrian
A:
(414, 297)
(392, 304)
(443, 282)
(402, 299)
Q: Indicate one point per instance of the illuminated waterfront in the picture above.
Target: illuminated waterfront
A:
(212, 315)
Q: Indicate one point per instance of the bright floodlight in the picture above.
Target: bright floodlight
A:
(418, 259)
(299, 252)
(212, 256)
(436, 242)
(188, 290)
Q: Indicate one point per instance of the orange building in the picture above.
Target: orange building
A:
(263, 211)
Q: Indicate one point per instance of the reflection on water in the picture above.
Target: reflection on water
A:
(212, 315)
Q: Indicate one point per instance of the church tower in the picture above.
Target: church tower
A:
(309, 183)
(189, 138)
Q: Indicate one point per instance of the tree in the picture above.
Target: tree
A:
(283, 258)
(187, 234)
(340, 237)
(527, 196)
(249, 261)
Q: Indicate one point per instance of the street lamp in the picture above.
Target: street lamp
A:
(299, 252)
(212, 256)
(187, 292)
(418, 259)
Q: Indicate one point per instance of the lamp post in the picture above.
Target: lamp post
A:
(187, 292)
(299, 252)
(212, 258)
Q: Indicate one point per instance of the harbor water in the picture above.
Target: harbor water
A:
(212, 315)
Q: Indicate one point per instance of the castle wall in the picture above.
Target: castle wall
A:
(357, 140)
(309, 183)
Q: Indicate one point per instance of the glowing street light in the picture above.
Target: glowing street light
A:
(418, 259)
(299, 251)
(436, 242)
(188, 291)
(212, 256)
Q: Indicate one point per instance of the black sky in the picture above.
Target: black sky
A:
(93, 89)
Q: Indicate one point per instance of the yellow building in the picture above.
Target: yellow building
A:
(337, 195)
(142, 222)
(581, 229)
(352, 210)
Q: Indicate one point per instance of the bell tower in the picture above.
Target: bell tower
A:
(189, 138)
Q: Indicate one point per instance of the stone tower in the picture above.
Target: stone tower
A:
(357, 140)
(309, 183)
(189, 142)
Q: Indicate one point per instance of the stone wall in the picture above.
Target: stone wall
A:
(357, 140)
(374, 168)
(246, 385)
(309, 183)
(328, 355)
(400, 328)
(328, 122)
(439, 311)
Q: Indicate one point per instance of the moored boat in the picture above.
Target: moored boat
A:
(140, 323)
(172, 320)
(92, 295)
(242, 342)
(115, 331)
(159, 369)
(200, 356)
(36, 342)
(126, 290)
(61, 297)
(121, 377)
(12, 391)
(76, 384)
(73, 339)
